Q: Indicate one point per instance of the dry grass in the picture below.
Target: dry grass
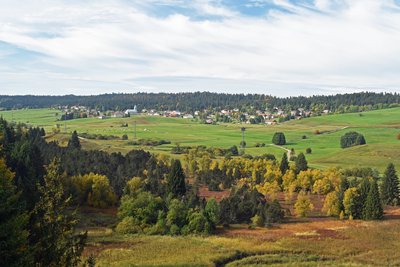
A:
(313, 242)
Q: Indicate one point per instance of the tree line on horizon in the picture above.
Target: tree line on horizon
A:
(190, 102)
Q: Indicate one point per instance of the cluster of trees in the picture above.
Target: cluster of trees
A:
(99, 136)
(91, 189)
(116, 167)
(352, 139)
(246, 205)
(149, 142)
(37, 226)
(360, 197)
(266, 178)
(175, 211)
(340, 103)
(189, 102)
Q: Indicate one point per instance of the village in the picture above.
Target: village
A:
(267, 117)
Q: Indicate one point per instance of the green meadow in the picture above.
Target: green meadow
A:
(380, 129)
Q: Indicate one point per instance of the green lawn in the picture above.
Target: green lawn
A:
(380, 129)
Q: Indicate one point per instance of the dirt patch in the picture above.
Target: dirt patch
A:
(314, 228)
(392, 213)
(207, 194)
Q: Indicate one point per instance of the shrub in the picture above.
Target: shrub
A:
(304, 137)
(308, 151)
(128, 226)
(257, 220)
(279, 139)
(125, 137)
(247, 156)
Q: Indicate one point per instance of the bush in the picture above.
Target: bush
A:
(125, 137)
(279, 139)
(257, 220)
(352, 139)
(149, 142)
(273, 212)
(266, 156)
(128, 226)
(304, 137)
(308, 151)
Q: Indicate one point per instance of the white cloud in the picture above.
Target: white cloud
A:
(329, 45)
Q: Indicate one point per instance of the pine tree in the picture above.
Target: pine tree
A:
(279, 139)
(284, 164)
(13, 223)
(373, 206)
(390, 186)
(176, 179)
(53, 234)
(301, 163)
(74, 142)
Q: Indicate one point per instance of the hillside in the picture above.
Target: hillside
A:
(379, 127)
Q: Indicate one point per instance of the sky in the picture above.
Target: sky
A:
(276, 47)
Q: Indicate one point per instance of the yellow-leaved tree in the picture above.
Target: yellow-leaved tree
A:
(303, 205)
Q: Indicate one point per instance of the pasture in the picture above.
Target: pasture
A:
(380, 129)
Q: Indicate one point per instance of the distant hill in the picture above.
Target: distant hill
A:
(189, 102)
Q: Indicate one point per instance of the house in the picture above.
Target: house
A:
(174, 114)
(273, 122)
(225, 112)
(131, 111)
(188, 116)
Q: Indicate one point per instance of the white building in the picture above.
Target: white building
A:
(131, 111)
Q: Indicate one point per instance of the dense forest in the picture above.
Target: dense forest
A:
(189, 102)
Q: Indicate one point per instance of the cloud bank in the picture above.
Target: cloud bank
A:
(277, 47)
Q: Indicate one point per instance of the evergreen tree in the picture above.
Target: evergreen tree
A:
(390, 186)
(343, 186)
(176, 179)
(364, 189)
(74, 142)
(27, 163)
(301, 163)
(373, 207)
(53, 235)
(13, 223)
(279, 139)
(284, 166)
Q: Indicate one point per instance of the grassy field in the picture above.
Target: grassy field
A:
(315, 241)
(309, 242)
(380, 129)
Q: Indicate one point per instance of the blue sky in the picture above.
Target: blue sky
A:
(278, 47)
